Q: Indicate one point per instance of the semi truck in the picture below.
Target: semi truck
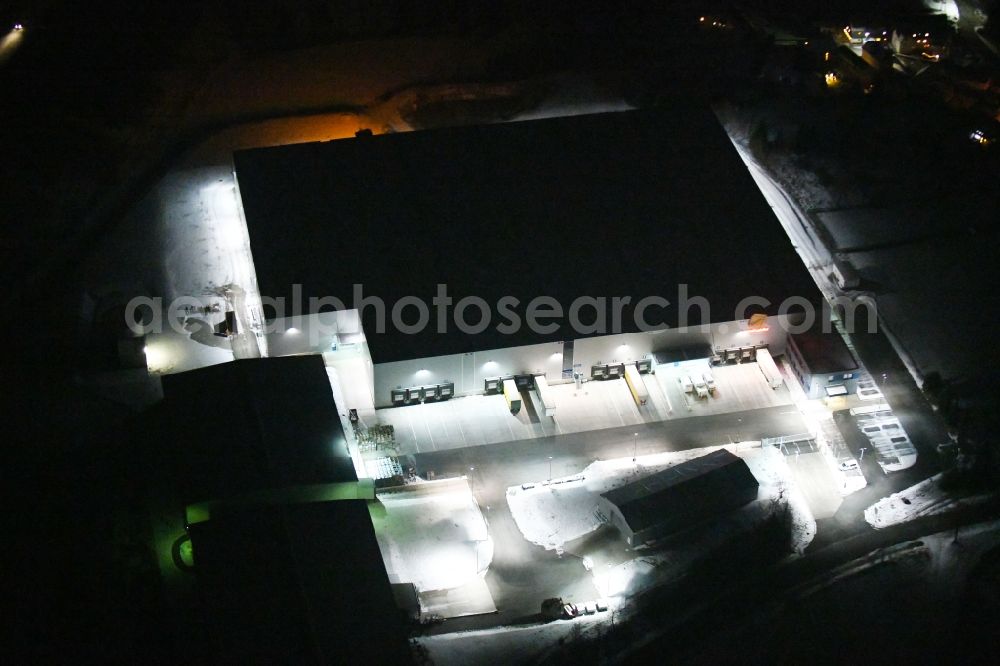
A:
(636, 385)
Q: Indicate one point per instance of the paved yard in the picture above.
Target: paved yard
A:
(814, 476)
(434, 536)
(597, 405)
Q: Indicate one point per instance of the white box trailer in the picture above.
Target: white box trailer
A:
(709, 381)
(512, 395)
(545, 396)
(768, 367)
(636, 385)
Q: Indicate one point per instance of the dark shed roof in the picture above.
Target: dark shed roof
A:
(249, 425)
(824, 352)
(617, 204)
(298, 584)
(686, 494)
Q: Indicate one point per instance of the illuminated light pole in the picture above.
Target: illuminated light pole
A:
(635, 445)
(472, 482)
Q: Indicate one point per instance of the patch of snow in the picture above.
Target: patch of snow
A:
(922, 499)
(435, 540)
(507, 645)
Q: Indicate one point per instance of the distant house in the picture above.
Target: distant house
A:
(680, 497)
(823, 363)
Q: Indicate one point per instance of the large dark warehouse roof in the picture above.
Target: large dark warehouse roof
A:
(617, 204)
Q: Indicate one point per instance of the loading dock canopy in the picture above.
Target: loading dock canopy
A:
(631, 204)
(686, 494)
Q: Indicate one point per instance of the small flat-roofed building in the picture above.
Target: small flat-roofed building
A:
(680, 497)
(822, 363)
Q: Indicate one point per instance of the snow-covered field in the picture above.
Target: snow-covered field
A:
(923, 499)
(435, 539)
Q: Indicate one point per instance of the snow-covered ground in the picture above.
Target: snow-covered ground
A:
(944, 565)
(508, 645)
(433, 536)
(923, 499)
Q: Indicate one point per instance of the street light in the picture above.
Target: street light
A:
(862, 457)
(472, 482)
(550, 469)
(635, 445)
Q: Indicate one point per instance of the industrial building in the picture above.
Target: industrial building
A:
(680, 497)
(252, 457)
(823, 363)
(651, 204)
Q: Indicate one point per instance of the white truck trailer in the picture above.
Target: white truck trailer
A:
(769, 368)
(545, 397)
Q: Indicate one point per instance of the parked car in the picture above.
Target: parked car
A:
(848, 465)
